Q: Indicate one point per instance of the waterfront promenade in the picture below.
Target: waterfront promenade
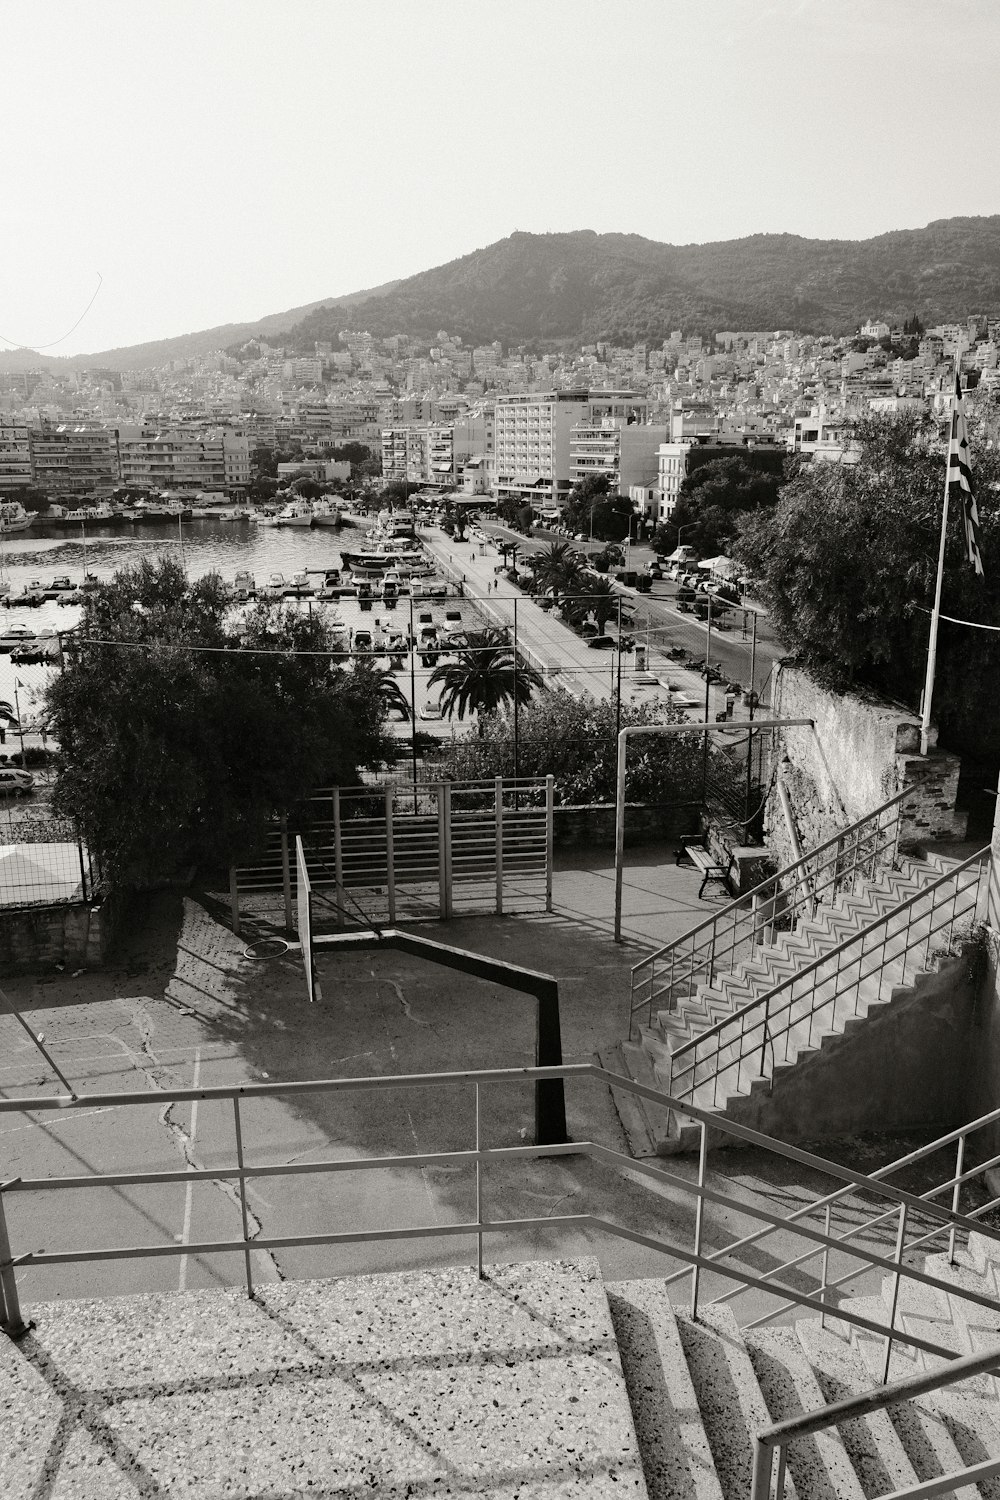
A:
(564, 658)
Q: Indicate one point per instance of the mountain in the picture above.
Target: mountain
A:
(550, 289)
(185, 345)
(580, 287)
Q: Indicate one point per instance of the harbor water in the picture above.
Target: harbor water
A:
(205, 546)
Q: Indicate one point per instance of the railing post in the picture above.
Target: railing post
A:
(826, 1267)
(763, 1465)
(243, 1193)
(900, 1242)
(479, 1187)
(959, 1163)
(234, 899)
(698, 1216)
(444, 848)
(390, 853)
(498, 831)
(10, 1308)
(550, 802)
(338, 858)
(286, 876)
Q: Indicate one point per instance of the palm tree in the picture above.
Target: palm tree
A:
(556, 570)
(485, 675)
(600, 600)
(388, 689)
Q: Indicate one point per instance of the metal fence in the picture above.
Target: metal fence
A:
(43, 860)
(407, 853)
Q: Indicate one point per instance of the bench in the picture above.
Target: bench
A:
(703, 861)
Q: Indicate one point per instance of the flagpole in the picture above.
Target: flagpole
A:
(925, 721)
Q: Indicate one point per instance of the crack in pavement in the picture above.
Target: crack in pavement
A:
(180, 1138)
(406, 1006)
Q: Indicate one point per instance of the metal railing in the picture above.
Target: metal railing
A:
(777, 1438)
(826, 874)
(478, 1157)
(828, 990)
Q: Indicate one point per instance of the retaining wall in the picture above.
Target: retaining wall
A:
(861, 751)
(77, 936)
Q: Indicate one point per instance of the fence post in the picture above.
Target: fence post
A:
(286, 876)
(10, 1308)
(86, 889)
(498, 829)
(550, 801)
(243, 1193)
(900, 1243)
(699, 1211)
(338, 858)
(444, 860)
(234, 899)
(390, 854)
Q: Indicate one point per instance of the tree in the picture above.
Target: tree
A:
(396, 492)
(846, 563)
(484, 676)
(180, 740)
(592, 508)
(710, 503)
(576, 741)
(556, 570)
(599, 598)
(307, 488)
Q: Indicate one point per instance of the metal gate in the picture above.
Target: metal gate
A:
(392, 853)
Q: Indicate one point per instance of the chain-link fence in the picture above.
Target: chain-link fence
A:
(43, 859)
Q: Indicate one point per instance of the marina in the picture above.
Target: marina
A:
(44, 579)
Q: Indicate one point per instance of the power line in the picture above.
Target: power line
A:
(62, 339)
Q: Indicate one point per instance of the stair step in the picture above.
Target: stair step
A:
(732, 1406)
(676, 1456)
(655, 1118)
(819, 1464)
(872, 1443)
(922, 1428)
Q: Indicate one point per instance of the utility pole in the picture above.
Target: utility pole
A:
(618, 711)
(515, 693)
(413, 702)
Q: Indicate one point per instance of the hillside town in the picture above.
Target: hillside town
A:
(482, 421)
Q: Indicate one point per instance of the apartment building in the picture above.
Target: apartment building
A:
(15, 455)
(533, 437)
(186, 459)
(436, 453)
(73, 458)
(626, 453)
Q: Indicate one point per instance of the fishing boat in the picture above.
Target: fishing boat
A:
(14, 517)
(295, 513)
(325, 513)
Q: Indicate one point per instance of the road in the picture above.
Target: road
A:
(667, 626)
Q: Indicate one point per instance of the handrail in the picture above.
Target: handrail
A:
(782, 1433)
(770, 882)
(832, 953)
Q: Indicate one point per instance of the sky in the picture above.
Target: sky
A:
(198, 162)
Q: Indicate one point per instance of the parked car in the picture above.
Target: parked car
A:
(431, 710)
(16, 783)
(601, 643)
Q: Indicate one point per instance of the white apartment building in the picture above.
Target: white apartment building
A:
(533, 437)
(15, 455)
(73, 458)
(671, 459)
(436, 453)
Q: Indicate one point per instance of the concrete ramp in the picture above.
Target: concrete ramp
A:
(426, 1383)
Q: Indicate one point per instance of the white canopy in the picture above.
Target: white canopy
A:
(723, 566)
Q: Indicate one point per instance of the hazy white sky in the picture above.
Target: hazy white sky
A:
(216, 160)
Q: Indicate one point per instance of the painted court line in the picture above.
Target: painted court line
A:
(189, 1190)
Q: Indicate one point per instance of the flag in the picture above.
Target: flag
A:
(960, 478)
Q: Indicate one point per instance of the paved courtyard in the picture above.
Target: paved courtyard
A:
(184, 1005)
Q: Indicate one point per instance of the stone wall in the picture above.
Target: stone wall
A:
(861, 751)
(77, 936)
(593, 826)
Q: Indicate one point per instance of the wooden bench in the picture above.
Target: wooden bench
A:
(703, 861)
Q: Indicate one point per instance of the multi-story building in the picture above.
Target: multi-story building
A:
(186, 459)
(532, 437)
(626, 453)
(15, 455)
(73, 458)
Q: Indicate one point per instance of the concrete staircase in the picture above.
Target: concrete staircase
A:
(701, 1390)
(806, 1018)
(539, 1381)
